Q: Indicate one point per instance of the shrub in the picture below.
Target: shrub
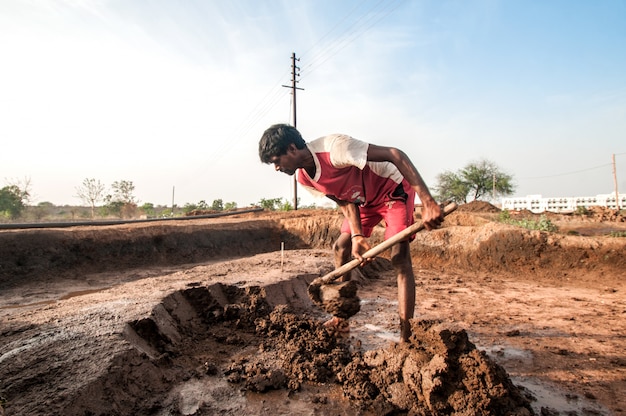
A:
(544, 224)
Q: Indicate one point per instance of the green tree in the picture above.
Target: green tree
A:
(188, 207)
(200, 206)
(285, 205)
(229, 206)
(477, 181)
(12, 201)
(270, 204)
(123, 199)
(91, 192)
(451, 187)
(148, 209)
(123, 192)
(112, 207)
(218, 205)
(23, 187)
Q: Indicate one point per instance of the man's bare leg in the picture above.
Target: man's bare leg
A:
(401, 260)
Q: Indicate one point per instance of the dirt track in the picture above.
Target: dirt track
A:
(186, 318)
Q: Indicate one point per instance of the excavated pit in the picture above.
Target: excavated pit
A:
(225, 349)
(157, 320)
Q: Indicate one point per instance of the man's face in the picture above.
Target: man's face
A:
(284, 163)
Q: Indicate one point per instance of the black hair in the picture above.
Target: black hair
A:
(276, 139)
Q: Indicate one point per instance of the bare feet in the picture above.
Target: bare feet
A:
(339, 325)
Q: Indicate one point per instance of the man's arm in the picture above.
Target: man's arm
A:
(351, 212)
(432, 215)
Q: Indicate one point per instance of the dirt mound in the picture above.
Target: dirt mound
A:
(232, 337)
(93, 249)
(603, 214)
(439, 372)
(530, 254)
(478, 206)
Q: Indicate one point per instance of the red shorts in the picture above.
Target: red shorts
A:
(397, 214)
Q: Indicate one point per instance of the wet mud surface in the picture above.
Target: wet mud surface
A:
(242, 336)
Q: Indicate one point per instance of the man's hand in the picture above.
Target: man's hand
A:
(432, 215)
(359, 246)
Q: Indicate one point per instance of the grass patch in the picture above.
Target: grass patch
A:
(543, 224)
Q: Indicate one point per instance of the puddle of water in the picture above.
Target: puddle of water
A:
(549, 396)
(546, 395)
(379, 301)
(499, 352)
(382, 333)
(208, 397)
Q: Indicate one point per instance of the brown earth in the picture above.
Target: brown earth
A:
(211, 316)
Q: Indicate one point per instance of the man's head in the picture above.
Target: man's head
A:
(278, 145)
(276, 140)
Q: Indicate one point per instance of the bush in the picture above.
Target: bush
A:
(582, 211)
(544, 224)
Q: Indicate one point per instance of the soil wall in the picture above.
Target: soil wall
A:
(80, 250)
(466, 242)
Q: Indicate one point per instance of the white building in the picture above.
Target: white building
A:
(537, 204)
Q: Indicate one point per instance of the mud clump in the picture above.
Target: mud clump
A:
(292, 350)
(216, 349)
(338, 298)
(439, 372)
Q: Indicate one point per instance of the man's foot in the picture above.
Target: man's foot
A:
(338, 325)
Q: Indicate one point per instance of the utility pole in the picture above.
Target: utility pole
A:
(294, 74)
(615, 183)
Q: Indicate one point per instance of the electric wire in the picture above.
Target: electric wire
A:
(568, 173)
(358, 29)
(269, 101)
(275, 94)
(346, 37)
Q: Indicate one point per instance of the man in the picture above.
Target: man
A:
(370, 183)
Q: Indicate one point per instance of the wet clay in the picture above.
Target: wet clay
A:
(338, 298)
(229, 335)
(439, 372)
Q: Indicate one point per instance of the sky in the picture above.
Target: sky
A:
(174, 96)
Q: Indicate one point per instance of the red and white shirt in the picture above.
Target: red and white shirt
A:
(342, 171)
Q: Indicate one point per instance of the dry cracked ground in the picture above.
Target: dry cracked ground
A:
(208, 316)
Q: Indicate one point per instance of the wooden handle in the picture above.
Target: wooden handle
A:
(375, 251)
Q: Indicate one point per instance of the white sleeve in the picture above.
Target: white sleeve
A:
(348, 151)
(314, 192)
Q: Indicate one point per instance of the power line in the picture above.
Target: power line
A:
(332, 29)
(275, 94)
(569, 173)
(361, 26)
(269, 101)
(365, 22)
(340, 37)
